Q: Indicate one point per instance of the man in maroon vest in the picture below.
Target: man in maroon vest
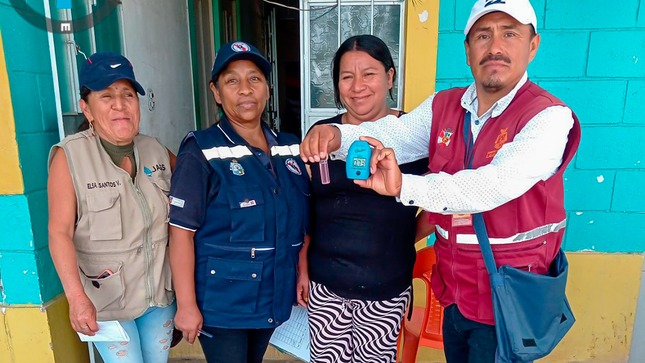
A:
(498, 147)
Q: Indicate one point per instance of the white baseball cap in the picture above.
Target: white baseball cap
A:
(521, 10)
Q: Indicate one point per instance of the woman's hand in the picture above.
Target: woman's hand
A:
(302, 289)
(82, 315)
(319, 142)
(302, 286)
(189, 320)
(182, 264)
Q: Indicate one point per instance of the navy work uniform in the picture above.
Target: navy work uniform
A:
(250, 213)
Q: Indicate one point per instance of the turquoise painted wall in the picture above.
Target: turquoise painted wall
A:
(26, 268)
(592, 57)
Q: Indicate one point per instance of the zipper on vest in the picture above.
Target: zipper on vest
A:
(147, 222)
(251, 250)
(452, 267)
(120, 252)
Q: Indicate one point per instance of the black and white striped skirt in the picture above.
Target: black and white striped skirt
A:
(351, 330)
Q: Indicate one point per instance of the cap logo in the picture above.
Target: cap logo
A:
(240, 47)
(493, 2)
(113, 66)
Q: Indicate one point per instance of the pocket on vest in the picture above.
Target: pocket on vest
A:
(106, 293)
(104, 208)
(163, 190)
(232, 285)
(247, 214)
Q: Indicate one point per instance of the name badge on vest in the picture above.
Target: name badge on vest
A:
(248, 203)
(462, 220)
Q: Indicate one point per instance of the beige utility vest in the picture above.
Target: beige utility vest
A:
(121, 225)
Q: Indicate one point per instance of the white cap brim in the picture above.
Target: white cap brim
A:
(526, 19)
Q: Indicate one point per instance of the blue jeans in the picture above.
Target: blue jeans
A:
(467, 341)
(150, 337)
(235, 345)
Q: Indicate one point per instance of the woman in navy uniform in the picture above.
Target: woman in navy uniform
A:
(238, 215)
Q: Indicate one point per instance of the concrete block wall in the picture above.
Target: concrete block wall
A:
(592, 56)
(34, 322)
(27, 272)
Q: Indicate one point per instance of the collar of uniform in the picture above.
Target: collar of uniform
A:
(234, 138)
(468, 100)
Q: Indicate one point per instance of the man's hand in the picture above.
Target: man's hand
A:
(386, 176)
(320, 141)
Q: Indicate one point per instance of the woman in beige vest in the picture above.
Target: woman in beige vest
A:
(108, 217)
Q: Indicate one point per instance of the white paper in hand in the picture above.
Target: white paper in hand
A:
(293, 336)
(109, 331)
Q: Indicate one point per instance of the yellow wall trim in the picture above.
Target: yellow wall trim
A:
(40, 334)
(11, 181)
(25, 336)
(65, 342)
(603, 290)
(421, 43)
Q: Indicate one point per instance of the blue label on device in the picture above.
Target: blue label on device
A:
(358, 161)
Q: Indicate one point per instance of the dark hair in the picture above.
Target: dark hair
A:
(369, 44)
(85, 94)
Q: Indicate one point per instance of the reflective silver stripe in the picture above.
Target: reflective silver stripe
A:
(442, 232)
(225, 134)
(286, 150)
(520, 237)
(225, 152)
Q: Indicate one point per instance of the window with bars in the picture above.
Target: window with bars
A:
(323, 28)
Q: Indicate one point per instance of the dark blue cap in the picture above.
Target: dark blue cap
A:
(102, 69)
(233, 51)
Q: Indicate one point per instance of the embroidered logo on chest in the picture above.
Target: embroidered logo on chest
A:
(157, 167)
(499, 142)
(236, 168)
(293, 167)
(445, 136)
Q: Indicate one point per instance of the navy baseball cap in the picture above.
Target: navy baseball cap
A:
(233, 51)
(102, 69)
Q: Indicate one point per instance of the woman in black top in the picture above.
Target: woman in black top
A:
(361, 256)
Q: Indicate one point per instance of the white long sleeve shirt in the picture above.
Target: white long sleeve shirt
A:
(535, 154)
